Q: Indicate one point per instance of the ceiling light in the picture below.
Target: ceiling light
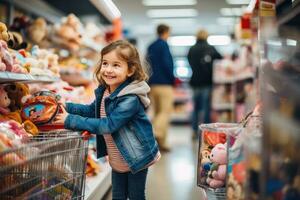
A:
(290, 42)
(238, 2)
(161, 13)
(232, 11)
(107, 8)
(175, 21)
(218, 40)
(169, 2)
(182, 40)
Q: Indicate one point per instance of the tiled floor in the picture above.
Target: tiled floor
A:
(174, 176)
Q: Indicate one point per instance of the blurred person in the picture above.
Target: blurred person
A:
(161, 83)
(201, 57)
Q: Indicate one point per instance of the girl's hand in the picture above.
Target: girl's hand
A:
(61, 117)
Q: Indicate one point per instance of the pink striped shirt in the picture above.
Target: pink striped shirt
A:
(115, 158)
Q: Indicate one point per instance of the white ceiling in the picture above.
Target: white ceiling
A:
(143, 28)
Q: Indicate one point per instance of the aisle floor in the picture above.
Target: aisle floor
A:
(174, 176)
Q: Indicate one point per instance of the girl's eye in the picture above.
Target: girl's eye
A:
(104, 64)
(116, 65)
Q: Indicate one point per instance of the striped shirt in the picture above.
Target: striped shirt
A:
(115, 158)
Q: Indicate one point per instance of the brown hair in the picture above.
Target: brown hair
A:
(128, 53)
(161, 29)
(202, 34)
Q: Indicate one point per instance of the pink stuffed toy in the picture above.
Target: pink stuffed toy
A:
(217, 174)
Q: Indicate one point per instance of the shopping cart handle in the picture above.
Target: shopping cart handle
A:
(86, 135)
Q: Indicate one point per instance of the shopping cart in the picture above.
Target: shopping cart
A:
(50, 166)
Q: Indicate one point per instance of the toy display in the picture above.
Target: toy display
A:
(212, 155)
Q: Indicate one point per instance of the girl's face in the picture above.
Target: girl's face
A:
(114, 71)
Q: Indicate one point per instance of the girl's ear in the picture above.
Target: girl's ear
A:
(131, 71)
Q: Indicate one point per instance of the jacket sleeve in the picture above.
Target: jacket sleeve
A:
(125, 110)
(80, 109)
(167, 62)
(216, 54)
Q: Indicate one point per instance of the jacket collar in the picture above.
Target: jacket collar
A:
(101, 89)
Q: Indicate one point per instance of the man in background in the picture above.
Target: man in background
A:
(161, 82)
(201, 57)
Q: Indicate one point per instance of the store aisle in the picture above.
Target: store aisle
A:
(174, 176)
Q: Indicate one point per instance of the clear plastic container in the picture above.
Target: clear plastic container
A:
(212, 155)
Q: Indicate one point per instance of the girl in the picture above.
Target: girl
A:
(118, 118)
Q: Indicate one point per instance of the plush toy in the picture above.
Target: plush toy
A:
(205, 165)
(16, 41)
(37, 31)
(217, 173)
(9, 60)
(3, 32)
(16, 92)
(69, 32)
(4, 101)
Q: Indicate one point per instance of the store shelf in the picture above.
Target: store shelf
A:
(224, 81)
(9, 77)
(97, 186)
(180, 117)
(223, 106)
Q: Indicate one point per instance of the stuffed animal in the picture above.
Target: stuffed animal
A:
(217, 173)
(37, 31)
(3, 32)
(9, 60)
(16, 92)
(69, 32)
(4, 101)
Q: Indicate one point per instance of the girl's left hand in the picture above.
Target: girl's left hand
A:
(61, 117)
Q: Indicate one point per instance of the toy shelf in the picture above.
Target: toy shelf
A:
(9, 77)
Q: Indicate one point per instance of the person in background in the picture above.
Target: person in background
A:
(118, 118)
(201, 57)
(161, 83)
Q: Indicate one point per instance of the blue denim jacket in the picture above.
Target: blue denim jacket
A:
(126, 121)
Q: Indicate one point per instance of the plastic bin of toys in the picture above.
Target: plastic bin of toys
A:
(212, 157)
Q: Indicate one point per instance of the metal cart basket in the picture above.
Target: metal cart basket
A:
(50, 166)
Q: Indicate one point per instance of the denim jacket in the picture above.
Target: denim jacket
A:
(126, 121)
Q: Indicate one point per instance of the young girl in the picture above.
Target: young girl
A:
(117, 117)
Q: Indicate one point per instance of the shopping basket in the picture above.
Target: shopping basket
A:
(51, 166)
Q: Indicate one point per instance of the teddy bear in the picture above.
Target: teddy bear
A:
(205, 165)
(6, 102)
(3, 32)
(69, 32)
(37, 31)
(217, 173)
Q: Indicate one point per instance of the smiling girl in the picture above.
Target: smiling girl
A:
(117, 117)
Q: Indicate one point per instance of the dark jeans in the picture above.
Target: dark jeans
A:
(202, 102)
(128, 185)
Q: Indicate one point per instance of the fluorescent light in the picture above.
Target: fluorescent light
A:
(161, 13)
(290, 42)
(226, 20)
(169, 2)
(274, 43)
(251, 6)
(218, 40)
(232, 11)
(182, 40)
(238, 2)
(175, 21)
(107, 8)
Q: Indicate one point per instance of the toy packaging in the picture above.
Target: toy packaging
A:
(212, 155)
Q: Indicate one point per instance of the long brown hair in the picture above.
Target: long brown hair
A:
(128, 53)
